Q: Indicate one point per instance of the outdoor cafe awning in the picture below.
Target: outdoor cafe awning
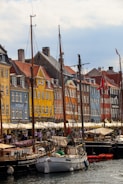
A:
(101, 131)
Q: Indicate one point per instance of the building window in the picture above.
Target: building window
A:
(17, 97)
(48, 84)
(25, 98)
(12, 96)
(38, 94)
(26, 114)
(7, 90)
(22, 82)
(6, 73)
(7, 109)
(3, 109)
(14, 81)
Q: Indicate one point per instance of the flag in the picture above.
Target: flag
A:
(103, 84)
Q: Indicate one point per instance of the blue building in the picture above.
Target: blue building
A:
(94, 102)
(19, 98)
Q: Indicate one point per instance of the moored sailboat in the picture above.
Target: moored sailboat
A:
(20, 157)
(68, 155)
(15, 160)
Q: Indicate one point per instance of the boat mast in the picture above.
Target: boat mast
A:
(80, 89)
(103, 91)
(62, 82)
(32, 84)
(121, 88)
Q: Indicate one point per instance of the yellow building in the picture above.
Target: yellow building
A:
(42, 90)
(43, 95)
(4, 86)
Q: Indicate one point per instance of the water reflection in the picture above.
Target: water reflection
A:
(108, 172)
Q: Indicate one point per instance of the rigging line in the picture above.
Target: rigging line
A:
(32, 7)
(27, 44)
(57, 49)
(35, 42)
(57, 58)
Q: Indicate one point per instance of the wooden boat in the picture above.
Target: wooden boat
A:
(66, 157)
(15, 159)
(22, 156)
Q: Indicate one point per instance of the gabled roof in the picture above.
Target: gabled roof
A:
(51, 65)
(6, 60)
(112, 77)
(69, 70)
(94, 72)
(25, 68)
(2, 50)
(109, 82)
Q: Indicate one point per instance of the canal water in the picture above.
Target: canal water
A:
(107, 172)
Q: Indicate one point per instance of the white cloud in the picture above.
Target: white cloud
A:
(69, 14)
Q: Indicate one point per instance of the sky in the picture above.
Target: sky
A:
(91, 28)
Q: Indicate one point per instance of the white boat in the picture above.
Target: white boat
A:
(67, 158)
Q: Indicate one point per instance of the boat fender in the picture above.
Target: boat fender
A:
(48, 160)
(71, 169)
(86, 164)
(10, 170)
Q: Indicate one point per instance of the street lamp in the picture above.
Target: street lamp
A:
(121, 87)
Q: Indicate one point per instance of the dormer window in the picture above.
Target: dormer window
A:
(2, 58)
(22, 82)
(14, 81)
(40, 82)
(48, 84)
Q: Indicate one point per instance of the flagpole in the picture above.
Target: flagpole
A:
(102, 89)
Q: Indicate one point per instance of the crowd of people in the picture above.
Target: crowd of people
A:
(43, 134)
(40, 135)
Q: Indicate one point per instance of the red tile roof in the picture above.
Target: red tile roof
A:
(25, 68)
(70, 70)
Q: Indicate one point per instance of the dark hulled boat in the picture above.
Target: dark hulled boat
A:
(99, 141)
(15, 160)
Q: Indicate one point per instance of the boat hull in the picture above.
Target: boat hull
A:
(12, 167)
(95, 147)
(118, 150)
(61, 164)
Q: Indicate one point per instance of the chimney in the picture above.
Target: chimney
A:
(46, 51)
(99, 69)
(21, 55)
(110, 68)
